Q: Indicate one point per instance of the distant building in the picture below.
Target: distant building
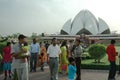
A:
(85, 23)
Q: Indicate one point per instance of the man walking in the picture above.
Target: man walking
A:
(111, 51)
(20, 64)
(53, 53)
(34, 51)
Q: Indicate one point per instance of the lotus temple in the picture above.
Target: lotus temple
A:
(85, 23)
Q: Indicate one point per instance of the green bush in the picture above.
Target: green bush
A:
(1, 57)
(86, 55)
(2, 45)
(96, 67)
(97, 51)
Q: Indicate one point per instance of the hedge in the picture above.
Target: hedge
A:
(96, 67)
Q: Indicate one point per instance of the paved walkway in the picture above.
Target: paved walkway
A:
(86, 75)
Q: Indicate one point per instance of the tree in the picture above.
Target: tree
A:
(34, 35)
(97, 51)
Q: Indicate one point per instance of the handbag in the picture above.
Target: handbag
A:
(64, 67)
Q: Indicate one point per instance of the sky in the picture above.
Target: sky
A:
(49, 16)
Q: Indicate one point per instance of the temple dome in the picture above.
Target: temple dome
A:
(85, 23)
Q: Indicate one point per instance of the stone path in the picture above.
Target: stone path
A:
(86, 75)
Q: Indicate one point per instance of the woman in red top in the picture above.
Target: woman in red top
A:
(111, 51)
(7, 60)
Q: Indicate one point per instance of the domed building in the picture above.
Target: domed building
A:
(66, 28)
(85, 23)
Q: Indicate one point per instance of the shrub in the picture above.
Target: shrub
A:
(2, 45)
(97, 51)
(1, 57)
(86, 56)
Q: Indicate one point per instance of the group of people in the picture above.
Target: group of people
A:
(16, 58)
(62, 58)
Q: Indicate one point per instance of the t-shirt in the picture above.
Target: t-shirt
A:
(111, 51)
(53, 51)
(35, 48)
(78, 51)
(7, 56)
(17, 63)
(71, 72)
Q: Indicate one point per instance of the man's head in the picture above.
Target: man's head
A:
(54, 41)
(21, 38)
(8, 43)
(77, 42)
(112, 41)
(34, 40)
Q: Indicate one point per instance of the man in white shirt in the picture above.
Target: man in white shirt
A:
(20, 62)
(53, 53)
(34, 52)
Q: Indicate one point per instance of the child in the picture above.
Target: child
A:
(26, 47)
(7, 60)
(71, 69)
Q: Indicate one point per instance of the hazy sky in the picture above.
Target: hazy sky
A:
(28, 16)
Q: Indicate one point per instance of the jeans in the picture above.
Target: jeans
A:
(33, 61)
(112, 70)
(78, 66)
(54, 68)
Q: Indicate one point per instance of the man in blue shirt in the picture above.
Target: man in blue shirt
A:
(35, 51)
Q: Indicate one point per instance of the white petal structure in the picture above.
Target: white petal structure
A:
(77, 24)
(85, 23)
(66, 27)
(103, 27)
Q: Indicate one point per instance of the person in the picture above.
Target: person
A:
(77, 54)
(43, 56)
(70, 48)
(119, 64)
(47, 45)
(7, 60)
(53, 53)
(27, 47)
(71, 69)
(34, 52)
(111, 52)
(19, 64)
(63, 58)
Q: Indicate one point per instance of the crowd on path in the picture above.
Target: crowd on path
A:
(63, 58)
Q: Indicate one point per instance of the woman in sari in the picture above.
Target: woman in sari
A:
(43, 56)
(63, 58)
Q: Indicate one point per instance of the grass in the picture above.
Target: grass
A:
(103, 65)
